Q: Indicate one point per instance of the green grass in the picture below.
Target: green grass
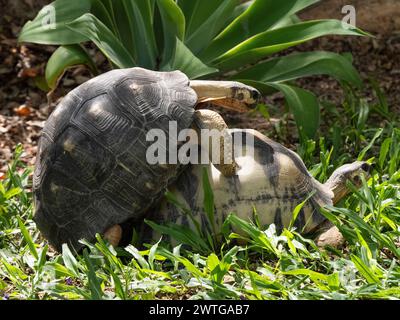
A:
(269, 266)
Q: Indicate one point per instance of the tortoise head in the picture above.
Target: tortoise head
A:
(231, 95)
(349, 172)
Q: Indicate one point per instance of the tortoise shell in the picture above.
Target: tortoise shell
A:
(91, 170)
(271, 179)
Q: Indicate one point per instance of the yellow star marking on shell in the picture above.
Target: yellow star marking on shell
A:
(68, 145)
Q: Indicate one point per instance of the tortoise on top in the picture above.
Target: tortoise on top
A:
(271, 179)
(91, 172)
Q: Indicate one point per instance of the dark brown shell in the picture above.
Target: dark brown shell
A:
(91, 170)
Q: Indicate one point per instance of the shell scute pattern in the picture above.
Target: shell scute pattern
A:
(41, 162)
(66, 190)
(60, 118)
(99, 117)
(273, 180)
(91, 170)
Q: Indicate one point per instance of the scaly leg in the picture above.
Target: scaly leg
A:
(113, 235)
(330, 236)
(211, 120)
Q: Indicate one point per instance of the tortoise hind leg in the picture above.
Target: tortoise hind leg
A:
(113, 235)
(211, 120)
(330, 236)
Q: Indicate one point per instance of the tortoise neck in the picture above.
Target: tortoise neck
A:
(338, 187)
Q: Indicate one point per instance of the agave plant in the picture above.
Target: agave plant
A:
(222, 39)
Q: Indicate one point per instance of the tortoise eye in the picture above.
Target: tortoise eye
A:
(357, 179)
(366, 167)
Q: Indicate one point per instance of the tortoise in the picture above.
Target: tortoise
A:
(91, 172)
(271, 179)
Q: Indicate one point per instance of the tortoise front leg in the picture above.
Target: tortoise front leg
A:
(113, 235)
(211, 120)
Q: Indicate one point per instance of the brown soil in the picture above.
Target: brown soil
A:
(24, 107)
(376, 16)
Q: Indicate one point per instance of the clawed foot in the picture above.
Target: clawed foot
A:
(113, 235)
(332, 237)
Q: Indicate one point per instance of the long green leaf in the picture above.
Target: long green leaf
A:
(208, 200)
(365, 271)
(152, 254)
(136, 254)
(59, 270)
(181, 234)
(11, 193)
(211, 25)
(93, 29)
(185, 61)
(312, 274)
(385, 147)
(13, 271)
(370, 145)
(304, 105)
(123, 21)
(297, 210)
(260, 238)
(42, 258)
(100, 11)
(119, 288)
(69, 260)
(28, 238)
(173, 22)
(241, 8)
(260, 16)
(139, 15)
(299, 65)
(366, 229)
(63, 58)
(288, 21)
(196, 13)
(269, 42)
(93, 281)
(49, 26)
(42, 30)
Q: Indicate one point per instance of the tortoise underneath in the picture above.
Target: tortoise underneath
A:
(91, 171)
(271, 179)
